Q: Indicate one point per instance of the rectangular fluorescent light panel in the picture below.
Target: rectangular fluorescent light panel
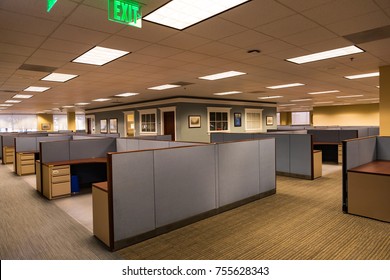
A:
(22, 96)
(37, 89)
(325, 55)
(99, 56)
(6, 105)
(286, 86)
(101, 99)
(59, 77)
(270, 97)
(285, 105)
(127, 94)
(162, 87)
(350, 96)
(323, 92)
(82, 104)
(300, 100)
(180, 14)
(13, 101)
(324, 102)
(360, 76)
(227, 92)
(222, 75)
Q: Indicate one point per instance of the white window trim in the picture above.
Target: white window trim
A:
(144, 112)
(258, 111)
(217, 110)
(167, 109)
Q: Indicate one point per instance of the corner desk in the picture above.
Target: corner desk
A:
(369, 190)
(331, 151)
(55, 177)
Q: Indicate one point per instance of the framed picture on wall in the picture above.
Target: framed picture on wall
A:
(45, 126)
(269, 120)
(237, 119)
(113, 125)
(103, 126)
(194, 121)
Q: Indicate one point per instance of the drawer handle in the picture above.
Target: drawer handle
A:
(55, 171)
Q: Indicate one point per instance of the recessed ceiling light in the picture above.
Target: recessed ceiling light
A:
(350, 96)
(368, 99)
(360, 76)
(285, 105)
(6, 105)
(162, 87)
(301, 100)
(127, 94)
(37, 89)
(68, 106)
(270, 97)
(100, 56)
(325, 55)
(101, 99)
(59, 77)
(227, 92)
(324, 102)
(286, 86)
(323, 92)
(180, 14)
(82, 104)
(222, 75)
(22, 96)
(378, 86)
(13, 101)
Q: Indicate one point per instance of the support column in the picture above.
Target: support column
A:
(45, 122)
(384, 100)
(71, 121)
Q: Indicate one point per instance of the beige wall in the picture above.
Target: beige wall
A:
(71, 121)
(367, 114)
(45, 119)
(384, 95)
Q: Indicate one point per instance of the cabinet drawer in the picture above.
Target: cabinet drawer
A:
(28, 169)
(60, 179)
(60, 171)
(27, 157)
(28, 162)
(60, 189)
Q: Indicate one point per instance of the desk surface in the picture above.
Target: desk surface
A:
(326, 143)
(379, 167)
(77, 161)
(101, 185)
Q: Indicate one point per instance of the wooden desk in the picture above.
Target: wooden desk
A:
(56, 176)
(331, 151)
(369, 190)
(100, 212)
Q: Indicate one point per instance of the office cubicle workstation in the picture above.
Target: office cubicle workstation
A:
(165, 185)
(295, 156)
(366, 177)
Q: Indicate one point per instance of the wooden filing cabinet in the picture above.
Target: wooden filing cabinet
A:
(101, 228)
(38, 175)
(8, 154)
(55, 181)
(25, 163)
(340, 153)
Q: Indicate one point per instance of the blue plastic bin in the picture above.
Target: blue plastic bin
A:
(74, 184)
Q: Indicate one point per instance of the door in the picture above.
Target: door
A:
(130, 124)
(169, 124)
(89, 126)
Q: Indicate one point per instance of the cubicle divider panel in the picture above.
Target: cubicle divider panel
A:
(267, 149)
(9, 140)
(301, 154)
(367, 150)
(133, 194)
(349, 134)
(352, 154)
(325, 136)
(185, 183)
(26, 144)
(383, 148)
(54, 151)
(373, 131)
(83, 137)
(152, 144)
(51, 138)
(238, 171)
(121, 145)
(283, 147)
(93, 148)
(216, 137)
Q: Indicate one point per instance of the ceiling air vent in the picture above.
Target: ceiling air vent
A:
(369, 35)
(181, 83)
(38, 68)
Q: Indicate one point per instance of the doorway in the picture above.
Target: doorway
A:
(130, 124)
(169, 124)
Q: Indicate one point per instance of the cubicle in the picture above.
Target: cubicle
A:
(169, 187)
(366, 177)
(295, 156)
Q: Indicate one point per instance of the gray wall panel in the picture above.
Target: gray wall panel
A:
(132, 144)
(267, 165)
(184, 183)
(373, 131)
(150, 144)
(300, 154)
(133, 194)
(121, 145)
(367, 150)
(352, 154)
(216, 137)
(282, 143)
(54, 151)
(8, 140)
(383, 148)
(348, 134)
(94, 148)
(238, 171)
(26, 144)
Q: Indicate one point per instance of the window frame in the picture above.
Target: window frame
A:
(257, 111)
(148, 112)
(218, 110)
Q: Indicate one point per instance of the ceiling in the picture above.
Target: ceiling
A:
(280, 29)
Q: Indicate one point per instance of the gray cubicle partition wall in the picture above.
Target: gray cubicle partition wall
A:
(373, 131)
(54, 151)
(92, 148)
(26, 144)
(301, 155)
(166, 188)
(135, 144)
(383, 148)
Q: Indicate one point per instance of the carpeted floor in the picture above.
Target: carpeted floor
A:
(34, 228)
(303, 221)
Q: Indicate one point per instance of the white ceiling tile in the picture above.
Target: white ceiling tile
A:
(189, 56)
(20, 39)
(248, 39)
(310, 36)
(124, 44)
(65, 46)
(214, 48)
(149, 32)
(79, 35)
(4, 57)
(184, 41)
(17, 50)
(215, 29)
(301, 5)
(330, 44)
(275, 46)
(159, 51)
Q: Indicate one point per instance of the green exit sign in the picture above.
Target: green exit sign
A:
(50, 4)
(125, 12)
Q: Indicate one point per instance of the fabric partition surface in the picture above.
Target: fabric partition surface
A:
(152, 144)
(184, 183)
(367, 150)
(268, 166)
(94, 148)
(133, 194)
(383, 148)
(54, 151)
(26, 144)
(51, 138)
(121, 145)
(8, 140)
(301, 154)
